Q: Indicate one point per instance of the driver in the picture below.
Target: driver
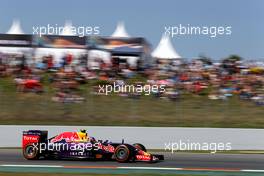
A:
(83, 136)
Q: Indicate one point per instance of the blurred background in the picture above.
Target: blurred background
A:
(55, 79)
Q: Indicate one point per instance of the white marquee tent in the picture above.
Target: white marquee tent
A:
(165, 49)
(68, 29)
(15, 28)
(120, 31)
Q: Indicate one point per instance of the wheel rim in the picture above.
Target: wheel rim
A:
(30, 151)
(122, 154)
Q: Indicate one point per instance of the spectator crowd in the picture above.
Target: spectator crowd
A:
(219, 80)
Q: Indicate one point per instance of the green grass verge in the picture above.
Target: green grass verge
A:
(57, 174)
(189, 111)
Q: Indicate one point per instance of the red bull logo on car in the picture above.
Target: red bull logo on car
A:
(67, 136)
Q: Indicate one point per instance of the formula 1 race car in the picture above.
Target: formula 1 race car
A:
(78, 145)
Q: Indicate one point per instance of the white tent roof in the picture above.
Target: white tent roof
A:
(120, 31)
(67, 30)
(15, 28)
(165, 49)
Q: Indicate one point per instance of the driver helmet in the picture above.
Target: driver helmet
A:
(83, 135)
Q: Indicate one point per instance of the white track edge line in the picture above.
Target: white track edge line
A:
(135, 168)
(251, 170)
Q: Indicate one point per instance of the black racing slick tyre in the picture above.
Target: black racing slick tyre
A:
(122, 154)
(31, 152)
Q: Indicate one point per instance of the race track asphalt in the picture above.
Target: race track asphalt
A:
(179, 160)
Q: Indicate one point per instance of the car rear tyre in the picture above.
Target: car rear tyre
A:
(122, 153)
(31, 152)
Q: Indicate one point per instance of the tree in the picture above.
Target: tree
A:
(232, 59)
(205, 59)
(229, 63)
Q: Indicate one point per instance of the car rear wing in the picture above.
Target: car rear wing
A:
(34, 137)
